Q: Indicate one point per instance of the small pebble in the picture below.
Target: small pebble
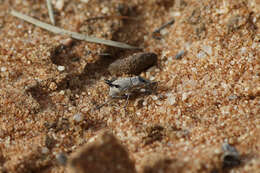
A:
(243, 50)
(104, 10)
(61, 68)
(133, 64)
(77, 117)
(62, 92)
(45, 150)
(52, 86)
(3, 69)
(59, 4)
(67, 42)
(185, 96)
(84, 1)
(232, 97)
(171, 100)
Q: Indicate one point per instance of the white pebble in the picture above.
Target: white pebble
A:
(171, 100)
(243, 50)
(152, 78)
(61, 68)
(194, 69)
(3, 69)
(175, 14)
(154, 97)
(62, 92)
(45, 150)
(84, 1)
(232, 97)
(104, 10)
(185, 96)
(77, 117)
(59, 4)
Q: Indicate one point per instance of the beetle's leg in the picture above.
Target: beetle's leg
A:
(126, 103)
(106, 102)
(131, 82)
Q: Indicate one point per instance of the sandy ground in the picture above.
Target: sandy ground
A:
(49, 86)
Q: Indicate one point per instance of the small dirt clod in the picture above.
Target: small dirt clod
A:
(134, 64)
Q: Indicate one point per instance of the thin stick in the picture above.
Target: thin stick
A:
(50, 11)
(74, 35)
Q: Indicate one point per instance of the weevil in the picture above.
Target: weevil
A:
(123, 88)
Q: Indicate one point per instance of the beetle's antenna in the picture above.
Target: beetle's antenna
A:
(109, 83)
(106, 102)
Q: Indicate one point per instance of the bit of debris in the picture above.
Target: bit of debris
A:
(230, 157)
(61, 68)
(134, 64)
(104, 155)
(74, 35)
(156, 33)
(67, 42)
(45, 150)
(59, 4)
(235, 22)
(123, 88)
(180, 54)
(49, 141)
(78, 117)
(50, 11)
(62, 159)
(200, 30)
(154, 133)
(195, 16)
(84, 1)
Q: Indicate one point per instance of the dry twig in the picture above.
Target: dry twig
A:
(74, 35)
(50, 11)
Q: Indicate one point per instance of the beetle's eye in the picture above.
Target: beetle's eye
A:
(117, 86)
(141, 79)
(108, 82)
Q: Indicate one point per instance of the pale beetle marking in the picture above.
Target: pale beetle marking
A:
(123, 88)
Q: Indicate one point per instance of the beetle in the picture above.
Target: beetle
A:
(123, 88)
